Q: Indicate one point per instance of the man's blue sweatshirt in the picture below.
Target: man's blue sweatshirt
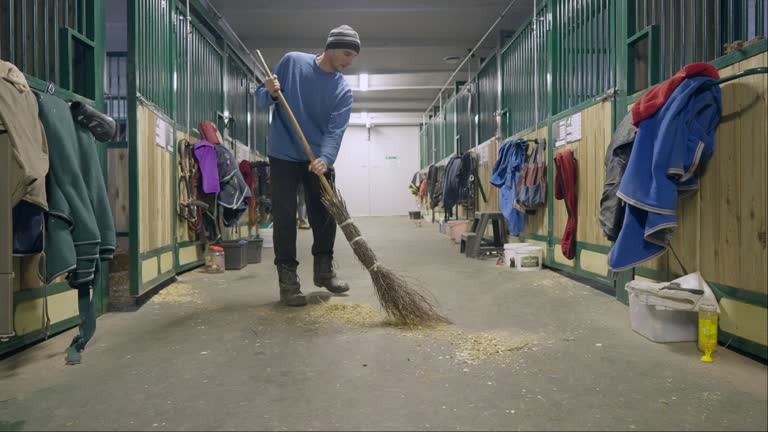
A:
(321, 102)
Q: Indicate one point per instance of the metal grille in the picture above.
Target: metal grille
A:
(520, 73)
(116, 91)
(449, 136)
(463, 129)
(693, 31)
(31, 32)
(584, 50)
(236, 86)
(487, 97)
(260, 126)
(154, 63)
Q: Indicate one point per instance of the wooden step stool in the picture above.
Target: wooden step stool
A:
(473, 243)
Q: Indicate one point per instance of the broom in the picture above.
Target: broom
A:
(402, 303)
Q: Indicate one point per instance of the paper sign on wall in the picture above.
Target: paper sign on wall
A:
(392, 161)
(567, 130)
(163, 135)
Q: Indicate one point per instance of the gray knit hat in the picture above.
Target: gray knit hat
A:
(343, 37)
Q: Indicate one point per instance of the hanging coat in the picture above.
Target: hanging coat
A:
(79, 229)
(616, 158)
(669, 149)
(452, 183)
(234, 193)
(20, 129)
(205, 153)
(566, 188)
(656, 97)
(532, 183)
(506, 171)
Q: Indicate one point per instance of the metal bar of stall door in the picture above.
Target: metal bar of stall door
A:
(6, 258)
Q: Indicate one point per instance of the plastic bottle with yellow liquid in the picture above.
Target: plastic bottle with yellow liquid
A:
(707, 331)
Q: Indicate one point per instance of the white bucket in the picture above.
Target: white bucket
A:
(266, 234)
(509, 252)
(529, 258)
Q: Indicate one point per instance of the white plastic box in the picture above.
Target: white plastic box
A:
(661, 324)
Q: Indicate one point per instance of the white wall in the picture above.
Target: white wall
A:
(373, 175)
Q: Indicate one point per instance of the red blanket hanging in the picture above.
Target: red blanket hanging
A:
(566, 187)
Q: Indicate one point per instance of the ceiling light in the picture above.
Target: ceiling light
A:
(364, 81)
(451, 59)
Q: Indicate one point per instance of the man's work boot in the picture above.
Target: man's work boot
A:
(325, 276)
(290, 289)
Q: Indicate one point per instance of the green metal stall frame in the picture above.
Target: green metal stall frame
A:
(162, 45)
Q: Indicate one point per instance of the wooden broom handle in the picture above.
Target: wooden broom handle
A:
(296, 126)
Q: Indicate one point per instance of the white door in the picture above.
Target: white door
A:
(352, 171)
(373, 175)
(394, 160)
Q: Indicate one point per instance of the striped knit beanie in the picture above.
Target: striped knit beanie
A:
(344, 37)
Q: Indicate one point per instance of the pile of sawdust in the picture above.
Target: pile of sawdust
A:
(349, 315)
(468, 347)
(352, 315)
(177, 293)
(479, 346)
(471, 348)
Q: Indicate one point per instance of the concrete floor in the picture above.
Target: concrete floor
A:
(218, 354)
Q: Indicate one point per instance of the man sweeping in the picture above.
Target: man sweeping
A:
(321, 101)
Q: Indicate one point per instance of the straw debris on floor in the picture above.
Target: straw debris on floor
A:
(177, 293)
(466, 347)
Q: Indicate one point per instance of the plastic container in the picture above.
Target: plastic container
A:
(456, 228)
(528, 258)
(707, 331)
(235, 254)
(414, 215)
(509, 252)
(254, 250)
(214, 259)
(266, 236)
(443, 226)
(659, 323)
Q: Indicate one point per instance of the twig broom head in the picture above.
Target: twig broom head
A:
(403, 304)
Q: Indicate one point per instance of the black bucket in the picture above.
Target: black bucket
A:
(254, 250)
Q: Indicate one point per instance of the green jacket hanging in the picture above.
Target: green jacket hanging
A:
(79, 230)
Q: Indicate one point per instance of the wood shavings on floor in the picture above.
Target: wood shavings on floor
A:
(177, 293)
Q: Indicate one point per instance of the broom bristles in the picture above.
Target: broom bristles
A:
(403, 303)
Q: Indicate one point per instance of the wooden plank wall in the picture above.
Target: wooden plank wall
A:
(590, 158)
(117, 187)
(722, 226)
(157, 208)
(731, 214)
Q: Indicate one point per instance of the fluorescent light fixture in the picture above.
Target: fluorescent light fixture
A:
(364, 82)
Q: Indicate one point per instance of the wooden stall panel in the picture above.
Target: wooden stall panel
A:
(156, 209)
(117, 187)
(590, 156)
(732, 225)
